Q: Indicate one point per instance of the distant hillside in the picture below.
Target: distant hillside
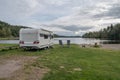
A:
(7, 30)
(111, 32)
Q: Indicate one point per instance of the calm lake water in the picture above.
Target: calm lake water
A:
(73, 40)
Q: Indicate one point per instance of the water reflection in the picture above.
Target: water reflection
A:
(111, 42)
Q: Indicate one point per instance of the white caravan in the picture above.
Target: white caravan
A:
(35, 38)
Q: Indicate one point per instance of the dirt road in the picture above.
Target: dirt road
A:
(111, 46)
(19, 68)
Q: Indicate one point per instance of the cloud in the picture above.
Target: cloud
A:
(84, 18)
(17, 8)
(61, 15)
(111, 11)
(19, 11)
(114, 12)
(75, 28)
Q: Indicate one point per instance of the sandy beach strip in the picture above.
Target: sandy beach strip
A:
(111, 46)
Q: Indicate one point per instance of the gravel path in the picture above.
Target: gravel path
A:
(111, 46)
(20, 68)
(9, 67)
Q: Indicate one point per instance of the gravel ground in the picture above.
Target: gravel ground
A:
(20, 68)
(111, 46)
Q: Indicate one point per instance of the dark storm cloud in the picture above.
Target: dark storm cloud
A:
(113, 12)
(76, 28)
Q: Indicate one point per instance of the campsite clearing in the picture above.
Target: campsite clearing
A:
(62, 63)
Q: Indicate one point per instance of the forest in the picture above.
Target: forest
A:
(112, 32)
(8, 31)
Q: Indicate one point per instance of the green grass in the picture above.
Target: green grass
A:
(95, 63)
(10, 38)
(6, 45)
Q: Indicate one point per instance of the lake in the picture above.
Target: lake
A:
(73, 40)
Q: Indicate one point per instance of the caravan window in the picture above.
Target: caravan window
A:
(51, 36)
(41, 35)
(45, 36)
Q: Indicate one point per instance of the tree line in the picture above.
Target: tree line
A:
(7, 30)
(112, 32)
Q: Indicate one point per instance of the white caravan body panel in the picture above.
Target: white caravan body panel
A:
(35, 38)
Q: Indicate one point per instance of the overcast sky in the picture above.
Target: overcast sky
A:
(66, 17)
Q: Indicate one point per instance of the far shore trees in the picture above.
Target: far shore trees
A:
(7, 30)
(112, 32)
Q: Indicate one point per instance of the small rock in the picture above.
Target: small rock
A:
(77, 69)
(62, 67)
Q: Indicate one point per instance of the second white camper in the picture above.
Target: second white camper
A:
(35, 38)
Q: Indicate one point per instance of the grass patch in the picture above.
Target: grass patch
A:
(7, 45)
(75, 63)
(10, 38)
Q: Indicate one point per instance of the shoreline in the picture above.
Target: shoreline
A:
(111, 46)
